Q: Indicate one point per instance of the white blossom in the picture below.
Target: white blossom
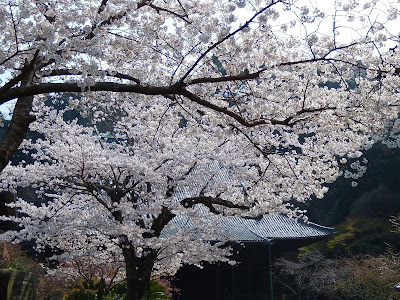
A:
(173, 87)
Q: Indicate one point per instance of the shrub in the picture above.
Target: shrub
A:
(81, 295)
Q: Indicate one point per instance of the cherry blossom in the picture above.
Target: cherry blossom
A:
(276, 94)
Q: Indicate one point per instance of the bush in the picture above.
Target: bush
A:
(157, 292)
(81, 295)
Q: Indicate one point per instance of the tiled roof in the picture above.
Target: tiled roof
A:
(274, 226)
(269, 227)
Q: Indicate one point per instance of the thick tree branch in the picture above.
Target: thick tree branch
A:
(209, 202)
(159, 223)
(11, 83)
(223, 110)
(147, 90)
(74, 87)
(102, 6)
(239, 118)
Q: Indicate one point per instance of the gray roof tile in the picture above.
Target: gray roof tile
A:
(269, 227)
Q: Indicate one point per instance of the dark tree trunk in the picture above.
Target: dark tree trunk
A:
(21, 117)
(138, 272)
(101, 290)
(16, 130)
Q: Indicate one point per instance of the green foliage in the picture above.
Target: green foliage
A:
(357, 236)
(80, 295)
(117, 293)
(157, 291)
(17, 258)
(18, 263)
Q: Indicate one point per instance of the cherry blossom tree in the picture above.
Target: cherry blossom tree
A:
(209, 113)
(165, 50)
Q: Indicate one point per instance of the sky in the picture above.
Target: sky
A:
(5, 109)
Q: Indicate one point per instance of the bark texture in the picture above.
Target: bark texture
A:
(138, 271)
(16, 131)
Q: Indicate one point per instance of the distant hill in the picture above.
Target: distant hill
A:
(377, 194)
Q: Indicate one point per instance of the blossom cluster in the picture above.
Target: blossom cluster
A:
(167, 89)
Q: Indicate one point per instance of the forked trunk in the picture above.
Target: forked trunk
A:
(138, 272)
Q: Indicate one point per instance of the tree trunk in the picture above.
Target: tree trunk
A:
(138, 271)
(101, 290)
(16, 131)
(21, 118)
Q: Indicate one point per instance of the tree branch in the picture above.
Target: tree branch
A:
(213, 46)
(102, 6)
(46, 88)
(107, 21)
(14, 28)
(209, 202)
(66, 72)
(223, 110)
(146, 90)
(244, 76)
(158, 9)
(159, 223)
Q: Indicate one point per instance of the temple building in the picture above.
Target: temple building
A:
(257, 242)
